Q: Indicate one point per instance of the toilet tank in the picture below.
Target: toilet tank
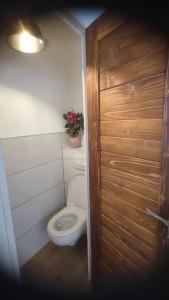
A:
(76, 191)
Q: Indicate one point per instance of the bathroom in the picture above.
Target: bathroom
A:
(38, 160)
(111, 181)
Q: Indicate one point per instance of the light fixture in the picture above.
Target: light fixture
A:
(25, 36)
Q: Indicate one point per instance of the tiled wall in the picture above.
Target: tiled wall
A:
(34, 169)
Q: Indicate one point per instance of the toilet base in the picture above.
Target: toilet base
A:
(64, 245)
(69, 241)
(72, 244)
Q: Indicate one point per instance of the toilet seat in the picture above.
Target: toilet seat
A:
(78, 212)
(69, 224)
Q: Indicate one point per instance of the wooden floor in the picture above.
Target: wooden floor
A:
(55, 268)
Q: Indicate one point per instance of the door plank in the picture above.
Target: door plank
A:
(155, 64)
(107, 275)
(112, 261)
(126, 251)
(146, 89)
(142, 248)
(147, 149)
(142, 40)
(152, 109)
(130, 226)
(131, 197)
(132, 212)
(125, 266)
(137, 129)
(133, 183)
(107, 23)
(144, 169)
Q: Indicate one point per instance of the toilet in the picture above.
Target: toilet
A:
(68, 225)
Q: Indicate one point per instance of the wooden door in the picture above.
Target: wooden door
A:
(127, 122)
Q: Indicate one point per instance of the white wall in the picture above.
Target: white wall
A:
(74, 73)
(35, 89)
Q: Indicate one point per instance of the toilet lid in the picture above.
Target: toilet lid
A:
(76, 191)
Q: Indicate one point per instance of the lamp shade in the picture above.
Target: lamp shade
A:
(25, 36)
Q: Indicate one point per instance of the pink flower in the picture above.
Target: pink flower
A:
(72, 116)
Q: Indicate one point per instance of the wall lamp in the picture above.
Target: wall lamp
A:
(25, 36)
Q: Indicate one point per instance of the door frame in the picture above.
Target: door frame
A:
(95, 32)
(93, 144)
(164, 189)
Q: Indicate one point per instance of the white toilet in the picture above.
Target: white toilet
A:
(69, 224)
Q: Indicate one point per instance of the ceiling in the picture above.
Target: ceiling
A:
(86, 16)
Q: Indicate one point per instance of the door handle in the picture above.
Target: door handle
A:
(164, 221)
(154, 215)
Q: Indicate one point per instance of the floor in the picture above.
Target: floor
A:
(55, 268)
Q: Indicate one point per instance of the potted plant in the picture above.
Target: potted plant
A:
(74, 125)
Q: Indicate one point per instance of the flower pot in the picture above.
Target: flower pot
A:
(74, 142)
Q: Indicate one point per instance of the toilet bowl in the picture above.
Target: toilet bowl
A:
(69, 224)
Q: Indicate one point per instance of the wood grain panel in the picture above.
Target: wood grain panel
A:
(139, 38)
(135, 214)
(136, 129)
(146, 89)
(130, 197)
(107, 275)
(109, 268)
(142, 248)
(108, 23)
(129, 226)
(152, 109)
(155, 63)
(130, 254)
(126, 96)
(112, 261)
(144, 169)
(147, 149)
(114, 257)
(133, 183)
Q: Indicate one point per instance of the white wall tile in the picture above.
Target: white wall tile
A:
(30, 243)
(34, 211)
(35, 182)
(27, 152)
(31, 182)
